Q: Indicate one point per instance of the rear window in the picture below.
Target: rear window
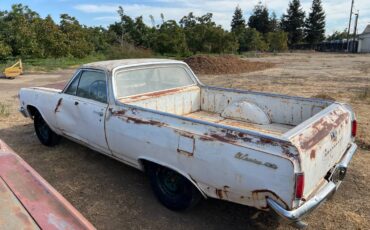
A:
(141, 81)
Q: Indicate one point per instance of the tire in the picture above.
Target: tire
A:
(173, 190)
(44, 133)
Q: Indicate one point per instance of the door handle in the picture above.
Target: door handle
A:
(99, 113)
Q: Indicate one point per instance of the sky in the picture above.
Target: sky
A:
(96, 13)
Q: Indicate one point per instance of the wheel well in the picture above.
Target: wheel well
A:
(144, 164)
(32, 110)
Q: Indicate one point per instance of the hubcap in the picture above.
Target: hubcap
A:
(170, 182)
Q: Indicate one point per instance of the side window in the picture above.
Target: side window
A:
(93, 86)
(72, 88)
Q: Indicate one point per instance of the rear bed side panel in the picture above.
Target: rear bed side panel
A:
(227, 165)
(281, 109)
(322, 144)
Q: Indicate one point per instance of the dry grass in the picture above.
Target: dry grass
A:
(4, 110)
(364, 95)
(324, 96)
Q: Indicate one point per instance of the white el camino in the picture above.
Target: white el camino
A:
(273, 152)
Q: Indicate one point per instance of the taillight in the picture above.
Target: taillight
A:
(299, 185)
(354, 128)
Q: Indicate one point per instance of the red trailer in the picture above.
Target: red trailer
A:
(29, 202)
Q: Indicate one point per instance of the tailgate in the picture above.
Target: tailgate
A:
(322, 143)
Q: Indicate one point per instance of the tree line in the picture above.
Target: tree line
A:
(264, 29)
(24, 33)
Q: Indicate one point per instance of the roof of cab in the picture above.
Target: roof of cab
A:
(110, 65)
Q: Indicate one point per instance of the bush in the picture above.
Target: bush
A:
(4, 110)
(254, 40)
(5, 50)
(127, 51)
(278, 41)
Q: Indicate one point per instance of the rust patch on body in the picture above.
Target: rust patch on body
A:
(143, 122)
(119, 112)
(157, 94)
(323, 129)
(222, 138)
(58, 105)
(206, 138)
(267, 192)
(222, 193)
(184, 133)
(313, 154)
(188, 154)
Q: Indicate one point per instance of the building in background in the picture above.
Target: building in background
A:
(364, 41)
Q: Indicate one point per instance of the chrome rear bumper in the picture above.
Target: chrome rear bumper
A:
(294, 216)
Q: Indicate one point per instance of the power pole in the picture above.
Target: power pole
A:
(355, 33)
(349, 25)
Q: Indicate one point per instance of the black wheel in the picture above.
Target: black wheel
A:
(172, 189)
(44, 133)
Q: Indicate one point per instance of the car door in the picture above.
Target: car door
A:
(82, 109)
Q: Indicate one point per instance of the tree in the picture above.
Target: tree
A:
(293, 22)
(126, 26)
(278, 41)
(260, 19)
(238, 28)
(18, 33)
(171, 38)
(274, 24)
(99, 37)
(238, 22)
(140, 33)
(50, 39)
(5, 50)
(315, 24)
(76, 37)
(188, 21)
(337, 35)
(254, 40)
(202, 35)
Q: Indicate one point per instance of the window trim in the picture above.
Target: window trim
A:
(79, 74)
(150, 67)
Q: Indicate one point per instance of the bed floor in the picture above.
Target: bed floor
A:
(273, 128)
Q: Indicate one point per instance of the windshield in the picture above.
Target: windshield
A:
(141, 81)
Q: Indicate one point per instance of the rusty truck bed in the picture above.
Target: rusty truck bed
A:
(29, 202)
(273, 128)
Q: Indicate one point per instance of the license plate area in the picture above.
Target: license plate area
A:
(336, 174)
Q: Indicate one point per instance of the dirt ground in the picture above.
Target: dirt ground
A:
(115, 196)
(224, 64)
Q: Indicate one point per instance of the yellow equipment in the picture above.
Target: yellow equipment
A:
(14, 70)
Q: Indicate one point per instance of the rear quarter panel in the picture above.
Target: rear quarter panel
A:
(229, 166)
